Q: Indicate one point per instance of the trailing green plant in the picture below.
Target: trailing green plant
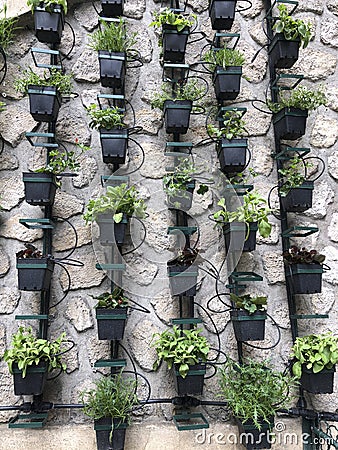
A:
(107, 118)
(184, 348)
(2, 107)
(293, 174)
(242, 177)
(316, 352)
(112, 37)
(297, 255)
(27, 350)
(233, 126)
(7, 28)
(111, 300)
(118, 200)
(223, 57)
(249, 303)
(253, 209)
(62, 82)
(301, 97)
(190, 90)
(254, 391)
(49, 5)
(292, 28)
(169, 17)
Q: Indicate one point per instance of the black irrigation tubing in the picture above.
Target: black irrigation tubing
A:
(246, 8)
(4, 66)
(214, 325)
(68, 288)
(135, 56)
(75, 233)
(133, 112)
(128, 354)
(278, 217)
(214, 371)
(142, 241)
(218, 295)
(142, 160)
(271, 346)
(220, 352)
(97, 11)
(139, 308)
(66, 56)
(2, 144)
(138, 374)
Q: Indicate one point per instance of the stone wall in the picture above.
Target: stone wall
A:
(145, 279)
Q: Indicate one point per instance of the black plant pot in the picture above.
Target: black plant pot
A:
(114, 145)
(111, 323)
(112, 8)
(318, 383)
(34, 381)
(283, 53)
(112, 69)
(298, 199)
(232, 155)
(193, 383)
(44, 103)
(305, 278)
(182, 280)
(103, 429)
(290, 123)
(183, 201)
(174, 43)
(111, 232)
(235, 234)
(40, 188)
(253, 438)
(227, 82)
(248, 327)
(49, 26)
(222, 14)
(177, 116)
(34, 274)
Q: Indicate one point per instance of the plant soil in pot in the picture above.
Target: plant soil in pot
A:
(111, 323)
(227, 82)
(222, 14)
(49, 26)
(248, 327)
(40, 188)
(298, 199)
(103, 430)
(318, 383)
(114, 145)
(110, 231)
(290, 123)
(44, 103)
(177, 116)
(235, 234)
(174, 43)
(33, 382)
(232, 155)
(193, 383)
(182, 202)
(112, 69)
(112, 8)
(182, 279)
(283, 53)
(252, 437)
(34, 274)
(305, 278)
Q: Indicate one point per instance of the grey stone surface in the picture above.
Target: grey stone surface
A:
(86, 68)
(323, 196)
(64, 238)
(273, 267)
(328, 32)
(12, 192)
(79, 313)
(88, 169)
(315, 65)
(21, 121)
(83, 277)
(325, 132)
(332, 6)
(333, 165)
(333, 228)
(14, 230)
(67, 205)
(4, 263)
(9, 299)
(139, 341)
(8, 162)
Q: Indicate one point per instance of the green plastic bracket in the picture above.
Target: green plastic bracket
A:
(277, 84)
(298, 231)
(325, 437)
(309, 316)
(190, 421)
(30, 135)
(187, 321)
(284, 154)
(121, 267)
(113, 180)
(187, 231)
(218, 36)
(287, 2)
(246, 276)
(32, 317)
(36, 224)
(110, 19)
(28, 421)
(118, 97)
(110, 363)
(43, 51)
(178, 72)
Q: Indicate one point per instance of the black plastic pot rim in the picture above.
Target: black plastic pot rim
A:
(292, 112)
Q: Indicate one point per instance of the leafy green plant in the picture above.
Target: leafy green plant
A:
(2, 106)
(292, 28)
(107, 118)
(253, 209)
(223, 57)
(184, 348)
(233, 126)
(111, 300)
(293, 174)
(48, 4)
(301, 97)
(118, 200)
(254, 391)
(185, 257)
(112, 37)
(27, 350)
(169, 17)
(190, 90)
(7, 28)
(248, 302)
(316, 352)
(296, 255)
(63, 83)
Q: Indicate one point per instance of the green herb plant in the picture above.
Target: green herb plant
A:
(27, 350)
(223, 57)
(301, 97)
(107, 118)
(293, 175)
(111, 300)
(118, 200)
(7, 28)
(292, 28)
(168, 17)
(316, 352)
(184, 348)
(233, 126)
(112, 37)
(49, 5)
(190, 90)
(249, 303)
(62, 82)
(296, 255)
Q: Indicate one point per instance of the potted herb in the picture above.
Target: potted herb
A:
(111, 314)
(113, 46)
(30, 359)
(110, 404)
(241, 225)
(222, 14)
(290, 35)
(44, 92)
(175, 31)
(254, 391)
(231, 146)
(248, 319)
(177, 105)
(182, 273)
(7, 28)
(113, 135)
(226, 65)
(34, 269)
(304, 269)
(49, 19)
(112, 8)
(314, 359)
(290, 113)
(112, 210)
(185, 351)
